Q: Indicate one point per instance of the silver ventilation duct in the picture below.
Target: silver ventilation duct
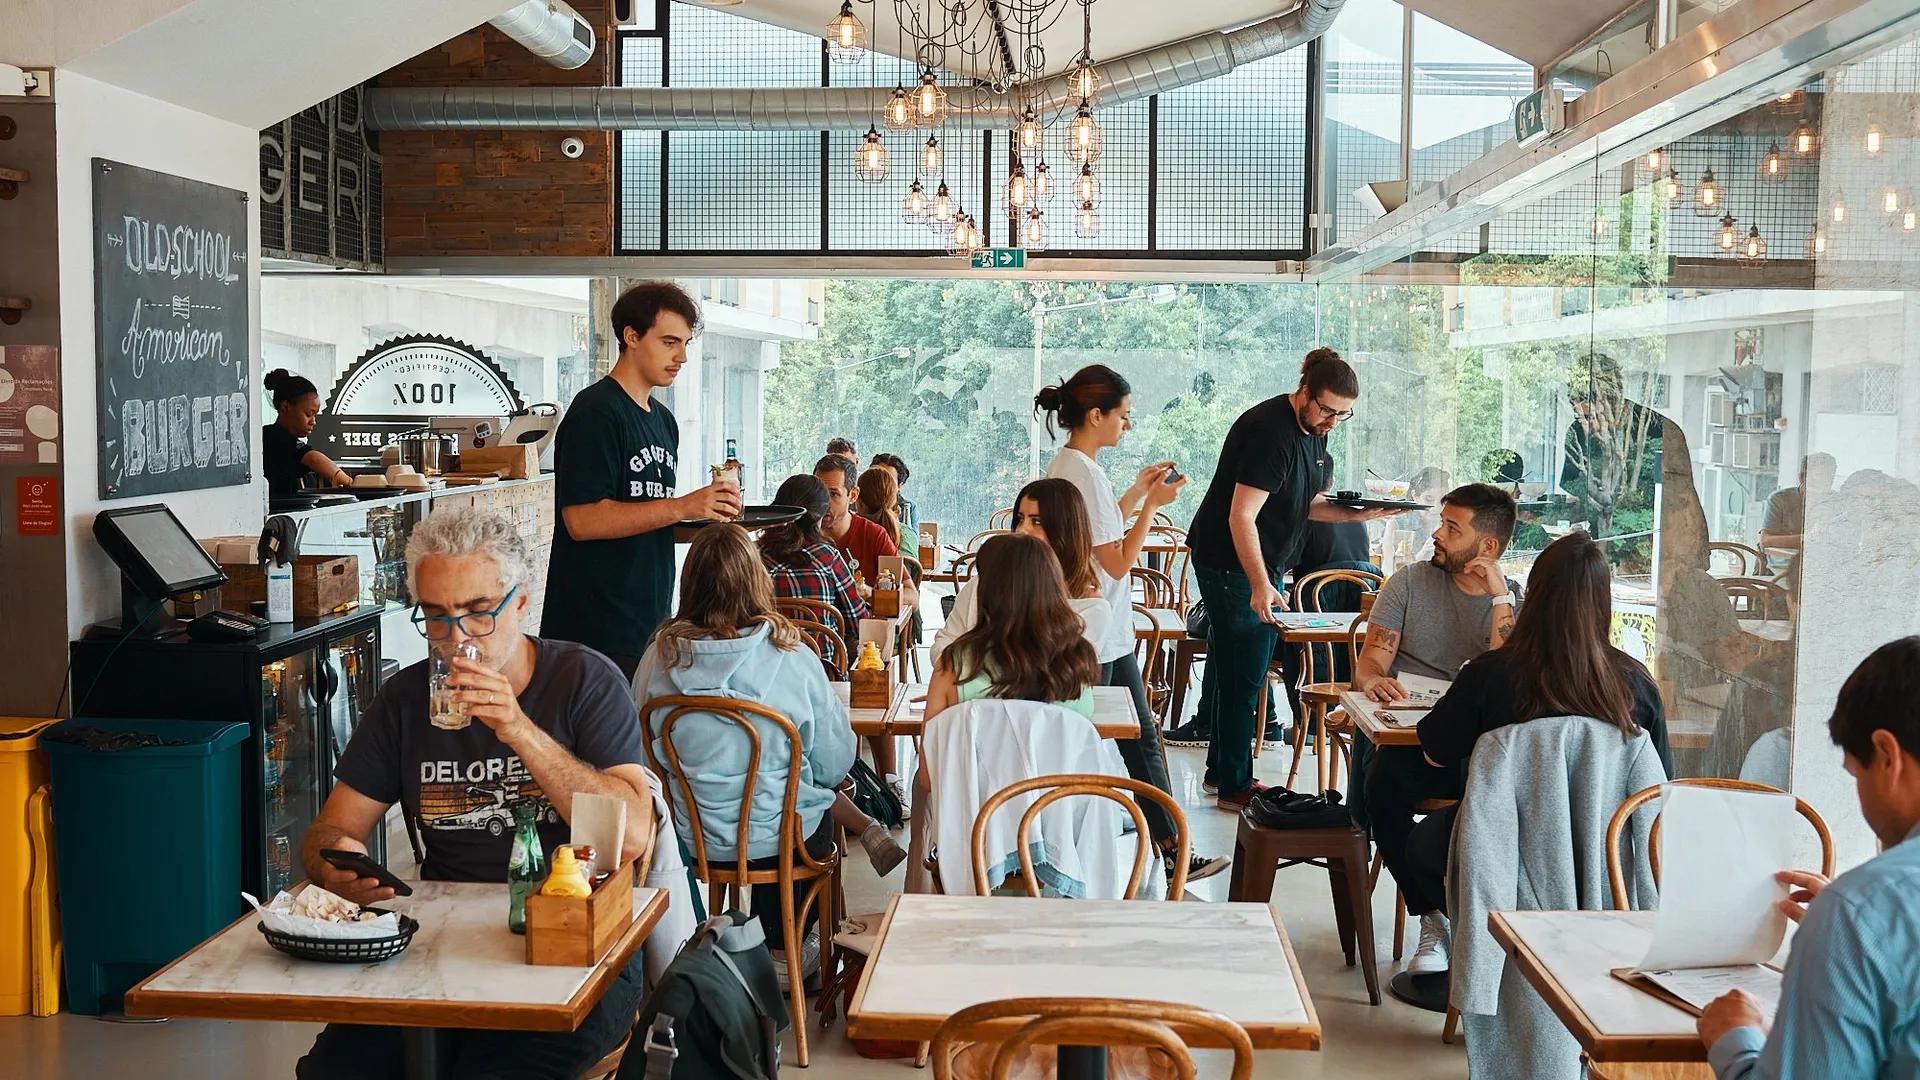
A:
(620, 108)
(550, 30)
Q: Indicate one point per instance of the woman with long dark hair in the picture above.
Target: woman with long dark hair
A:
(1557, 662)
(1051, 511)
(1027, 642)
(877, 498)
(1094, 407)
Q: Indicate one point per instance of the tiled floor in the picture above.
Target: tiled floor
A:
(1392, 1040)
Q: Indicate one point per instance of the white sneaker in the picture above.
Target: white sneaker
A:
(1430, 958)
(898, 785)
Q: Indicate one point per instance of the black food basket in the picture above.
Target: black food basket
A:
(366, 951)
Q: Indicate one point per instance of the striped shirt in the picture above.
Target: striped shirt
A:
(1850, 1000)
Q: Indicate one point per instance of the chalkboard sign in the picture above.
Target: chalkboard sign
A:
(171, 314)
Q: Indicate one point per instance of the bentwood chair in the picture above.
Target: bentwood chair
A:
(824, 629)
(1319, 689)
(819, 611)
(1155, 589)
(1746, 561)
(1018, 1037)
(1617, 883)
(791, 862)
(1757, 598)
(1000, 520)
(1152, 633)
(1066, 785)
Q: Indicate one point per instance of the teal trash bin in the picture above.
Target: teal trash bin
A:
(146, 824)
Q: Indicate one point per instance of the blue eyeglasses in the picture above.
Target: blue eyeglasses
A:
(473, 623)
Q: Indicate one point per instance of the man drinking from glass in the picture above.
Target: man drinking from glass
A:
(548, 720)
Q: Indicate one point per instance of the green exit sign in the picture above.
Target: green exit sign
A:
(1539, 114)
(1000, 259)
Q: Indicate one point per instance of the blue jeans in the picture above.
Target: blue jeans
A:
(1239, 649)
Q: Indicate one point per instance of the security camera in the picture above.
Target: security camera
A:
(572, 147)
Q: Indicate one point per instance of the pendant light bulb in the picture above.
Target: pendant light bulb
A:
(1034, 236)
(1773, 167)
(1086, 187)
(899, 111)
(1029, 135)
(1084, 82)
(1656, 160)
(1042, 183)
(1675, 190)
(1817, 242)
(941, 212)
(846, 36)
(1839, 212)
(870, 160)
(1873, 139)
(1753, 250)
(1083, 136)
(1706, 196)
(1728, 237)
(932, 159)
(1086, 221)
(913, 208)
(1804, 139)
(1890, 200)
(929, 102)
(1018, 191)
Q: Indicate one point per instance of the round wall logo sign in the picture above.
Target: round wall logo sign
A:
(396, 386)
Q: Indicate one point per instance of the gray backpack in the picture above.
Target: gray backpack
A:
(717, 1013)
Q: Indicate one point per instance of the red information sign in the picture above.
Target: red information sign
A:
(37, 499)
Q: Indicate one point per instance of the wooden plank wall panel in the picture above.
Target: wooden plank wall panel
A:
(500, 192)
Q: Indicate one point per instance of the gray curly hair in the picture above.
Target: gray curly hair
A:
(460, 533)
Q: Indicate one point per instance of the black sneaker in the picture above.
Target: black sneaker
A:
(1191, 733)
(1275, 736)
(1198, 866)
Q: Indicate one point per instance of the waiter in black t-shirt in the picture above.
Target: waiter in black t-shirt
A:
(1247, 532)
(610, 574)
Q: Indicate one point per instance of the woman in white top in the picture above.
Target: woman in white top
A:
(1053, 511)
(1093, 407)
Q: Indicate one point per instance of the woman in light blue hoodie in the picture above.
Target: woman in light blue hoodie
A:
(728, 640)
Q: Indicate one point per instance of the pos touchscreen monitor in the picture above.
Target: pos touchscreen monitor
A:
(157, 557)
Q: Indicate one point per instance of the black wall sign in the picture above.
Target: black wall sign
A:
(171, 317)
(320, 186)
(399, 385)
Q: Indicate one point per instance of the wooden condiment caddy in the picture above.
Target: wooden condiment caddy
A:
(869, 689)
(577, 931)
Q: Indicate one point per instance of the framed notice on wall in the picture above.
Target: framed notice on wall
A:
(172, 314)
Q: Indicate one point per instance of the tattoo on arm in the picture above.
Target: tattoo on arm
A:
(1382, 645)
(1502, 626)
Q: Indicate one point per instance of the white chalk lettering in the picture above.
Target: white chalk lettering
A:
(143, 344)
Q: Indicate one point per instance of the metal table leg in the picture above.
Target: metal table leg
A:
(425, 1050)
(1083, 1063)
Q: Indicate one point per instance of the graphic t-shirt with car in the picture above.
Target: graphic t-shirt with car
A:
(464, 786)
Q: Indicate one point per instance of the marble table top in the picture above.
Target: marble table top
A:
(1296, 628)
(1113, 715)
(1568, 958)
(936, 955)
(1172, 626)
(464, 968)
(1364, 712)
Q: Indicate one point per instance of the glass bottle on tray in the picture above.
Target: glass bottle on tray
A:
(525, 866)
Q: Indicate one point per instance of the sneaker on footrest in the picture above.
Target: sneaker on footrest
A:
(1198, 866)
(1430, 957)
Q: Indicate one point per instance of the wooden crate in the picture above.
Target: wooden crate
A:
(520, 461)
(886, 603)
(577, 931)
(869, 689)
(321, 584)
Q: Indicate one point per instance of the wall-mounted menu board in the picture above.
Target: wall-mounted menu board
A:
(172, 315)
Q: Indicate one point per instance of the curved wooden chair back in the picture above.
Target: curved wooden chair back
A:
(743, 714)
(1150, 653)
(820, 611)
(980, 537)
(1156, 590)
(915, 572)
(1320, 666)
(962, 567)
(1066, 785)
(827, 644)
(1000, 519)
(1162, 1028)
(1756, 598)
(1745, 560)
(1616, 872)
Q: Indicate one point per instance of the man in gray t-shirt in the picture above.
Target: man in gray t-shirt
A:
(1432, 617)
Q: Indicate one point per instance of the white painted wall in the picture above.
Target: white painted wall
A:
(93, 119)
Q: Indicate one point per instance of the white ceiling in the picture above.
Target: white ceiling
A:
(1538, 31)
(1119, 26)
(251, 62)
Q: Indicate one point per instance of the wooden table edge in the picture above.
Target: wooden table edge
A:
(1598, 1047)
(917, 1027)
(1399, 736)
(212, 1005)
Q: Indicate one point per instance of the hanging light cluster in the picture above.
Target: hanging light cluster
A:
(1000, 42)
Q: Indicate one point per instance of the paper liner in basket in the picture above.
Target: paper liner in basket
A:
(317, 913)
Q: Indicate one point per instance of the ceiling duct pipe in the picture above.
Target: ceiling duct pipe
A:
(550, 30)
(621, 108)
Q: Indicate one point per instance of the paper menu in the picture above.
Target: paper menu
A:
(1422, 691)
(1696, 988)
(1719, 851)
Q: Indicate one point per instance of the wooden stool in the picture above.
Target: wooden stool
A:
(1260, 852)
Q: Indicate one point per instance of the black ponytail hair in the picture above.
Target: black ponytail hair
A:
(1095, 386)
(287, 386)
(784, 543)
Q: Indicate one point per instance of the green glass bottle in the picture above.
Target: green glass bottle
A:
(525, 867)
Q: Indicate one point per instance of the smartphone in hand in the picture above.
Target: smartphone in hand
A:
(357, 862)
(1172, 476)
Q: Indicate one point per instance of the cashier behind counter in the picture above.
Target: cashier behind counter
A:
(290, 462)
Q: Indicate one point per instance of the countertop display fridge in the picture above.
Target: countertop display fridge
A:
(301, 688)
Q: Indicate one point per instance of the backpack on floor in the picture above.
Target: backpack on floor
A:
(874, 798)
(717, 1013)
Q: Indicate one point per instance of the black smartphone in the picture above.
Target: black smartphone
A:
(359, 863)
(1173, 475)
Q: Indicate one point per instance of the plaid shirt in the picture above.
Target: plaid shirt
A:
(821, 574)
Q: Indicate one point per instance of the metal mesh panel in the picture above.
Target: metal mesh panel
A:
(1232, 159)
(1122, 171)
(743, 191)
(639, 195)
(713, 48)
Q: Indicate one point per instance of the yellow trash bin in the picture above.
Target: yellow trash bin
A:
(23, 770)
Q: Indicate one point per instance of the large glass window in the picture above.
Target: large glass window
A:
(1360, 139)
